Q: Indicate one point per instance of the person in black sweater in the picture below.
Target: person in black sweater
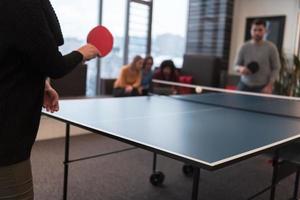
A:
(30, 35)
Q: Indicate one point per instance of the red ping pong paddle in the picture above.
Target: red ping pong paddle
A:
(102, 39)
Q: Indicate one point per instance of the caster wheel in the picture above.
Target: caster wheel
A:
(188, 170)
(157, 178)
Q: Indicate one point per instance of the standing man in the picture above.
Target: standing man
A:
(258, 61)
(30, 35)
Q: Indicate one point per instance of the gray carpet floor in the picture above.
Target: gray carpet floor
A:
(125, 176)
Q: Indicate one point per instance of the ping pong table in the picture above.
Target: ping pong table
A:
(208, 131)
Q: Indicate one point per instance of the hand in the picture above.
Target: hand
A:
(128, 89)
(268, 89)
(50, 99)
(244, 71)
(140, 90)
(89, 52)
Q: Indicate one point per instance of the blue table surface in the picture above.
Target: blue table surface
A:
(210, 129)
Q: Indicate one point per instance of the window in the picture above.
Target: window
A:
(169, 30)
(138, 29)
(113, 17)
(116, 23)
(77, 18)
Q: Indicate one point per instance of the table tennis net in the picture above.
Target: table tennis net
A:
(232, 99)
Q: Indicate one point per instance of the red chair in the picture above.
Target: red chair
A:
(186, 80)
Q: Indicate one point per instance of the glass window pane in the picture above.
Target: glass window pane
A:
(113, 17)
(138, 29)
(77, 18)
(169, 30)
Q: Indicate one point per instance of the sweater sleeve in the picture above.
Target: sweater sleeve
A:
(275, 64)
(138, 81)
(120, 82)
(123, 83)
(37, 44)
(239, 60)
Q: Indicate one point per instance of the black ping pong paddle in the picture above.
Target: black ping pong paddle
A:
(253, 67)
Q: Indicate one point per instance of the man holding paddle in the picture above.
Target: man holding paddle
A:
(258, 61)
(30, 35)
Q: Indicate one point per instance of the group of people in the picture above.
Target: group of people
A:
(135, 79)
(257, 62)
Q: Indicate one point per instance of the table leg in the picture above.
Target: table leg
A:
(154, 162)
(274, 177)
(296, 185)
(196, 179)
(66, 162)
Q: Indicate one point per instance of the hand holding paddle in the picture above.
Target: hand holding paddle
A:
(88, 51)
(244, 70)
(100, 43)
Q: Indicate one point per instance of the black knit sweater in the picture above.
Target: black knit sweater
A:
(28, 54)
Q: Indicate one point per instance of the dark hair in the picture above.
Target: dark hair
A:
(146, 60)
(259, 22)
(167, 63)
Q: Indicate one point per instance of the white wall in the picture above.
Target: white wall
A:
(254, 8)
(50, 129)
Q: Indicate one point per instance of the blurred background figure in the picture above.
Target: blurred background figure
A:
(129, 81)
(166, 72)
(147, 75)
(264, 54)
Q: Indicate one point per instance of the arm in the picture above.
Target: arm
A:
(240, 63)
(275, 69)
(121, 82)
(138, 81)
(275, 64)
(147, 80)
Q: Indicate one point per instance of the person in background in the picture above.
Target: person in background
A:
(30, 35)
(147, 75)
(166, 72)
(129, 81)
(258, 61)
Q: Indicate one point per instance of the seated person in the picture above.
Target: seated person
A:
(147, 75)
(129, 80)
(166, 72)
